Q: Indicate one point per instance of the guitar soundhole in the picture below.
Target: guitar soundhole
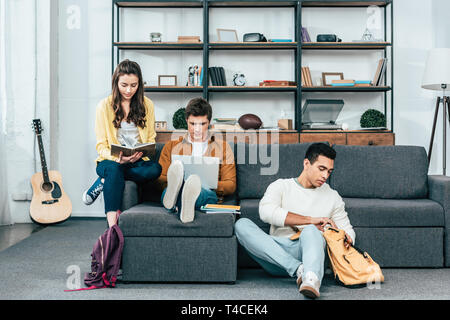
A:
(47, 186)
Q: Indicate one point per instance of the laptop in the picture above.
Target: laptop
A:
(207, 168)
(321, 114)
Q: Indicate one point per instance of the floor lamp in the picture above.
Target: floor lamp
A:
(437, 77)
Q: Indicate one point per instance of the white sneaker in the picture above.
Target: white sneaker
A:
(310, 285)
(175, 176)
(191, 191)
(299, 275)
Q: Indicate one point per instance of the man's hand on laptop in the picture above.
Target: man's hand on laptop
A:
(321, 222)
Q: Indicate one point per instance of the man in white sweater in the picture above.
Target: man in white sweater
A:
(298, 209)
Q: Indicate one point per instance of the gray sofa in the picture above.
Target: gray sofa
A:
(401, 215)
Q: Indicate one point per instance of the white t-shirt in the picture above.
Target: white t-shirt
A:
(288, 195)
(128, 134)
(198, 148)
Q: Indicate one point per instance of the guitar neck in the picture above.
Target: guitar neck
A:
(43, 162)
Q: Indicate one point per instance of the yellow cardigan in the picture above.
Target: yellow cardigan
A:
(106, 133)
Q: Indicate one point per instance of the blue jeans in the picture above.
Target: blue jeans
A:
(206, 196)
(115, 175)
(281, 256)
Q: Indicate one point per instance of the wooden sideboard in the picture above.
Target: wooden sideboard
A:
(363, 138)
(359, 138)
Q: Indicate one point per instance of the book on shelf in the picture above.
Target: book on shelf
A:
(226, 120)
(189, 39)
(342, 81)
(222, 76)
(303, 77)
(343, 84)
(226, 126)
(280, 40)
(305, 35)
(381, 69)
(217, 76)
(306, 77)
(383, 72)
(277, 83)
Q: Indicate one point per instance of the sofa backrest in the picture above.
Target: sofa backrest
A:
(258, 165)
(386, 172)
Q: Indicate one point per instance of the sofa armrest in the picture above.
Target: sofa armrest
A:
(439, 191)
(130, 195)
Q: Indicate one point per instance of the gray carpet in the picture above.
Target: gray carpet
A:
(40, 266)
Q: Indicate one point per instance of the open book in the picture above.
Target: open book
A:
(148, 150)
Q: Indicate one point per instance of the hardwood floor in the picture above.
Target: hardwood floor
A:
(10, 235)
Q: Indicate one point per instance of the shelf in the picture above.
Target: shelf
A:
(346, 89)
(253, 45)
(159, 4)
(248, 3)
(345, 45)
(251, 89)
(252, 3)
(173, 89)
(158, 46)
(181, 132)
(345, 3)
(345, 131)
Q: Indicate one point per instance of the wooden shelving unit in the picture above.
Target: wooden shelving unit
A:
(297, 46)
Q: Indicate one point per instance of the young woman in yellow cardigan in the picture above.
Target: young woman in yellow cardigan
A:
(125, 117)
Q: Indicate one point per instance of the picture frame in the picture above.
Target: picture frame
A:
(227, 35)
(167, 81)
(327, 77)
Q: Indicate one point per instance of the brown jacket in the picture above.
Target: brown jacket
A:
(216, 148)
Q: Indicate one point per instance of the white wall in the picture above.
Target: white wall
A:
(27, 96)
(85, 73)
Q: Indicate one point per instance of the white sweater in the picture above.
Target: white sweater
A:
(288, 195)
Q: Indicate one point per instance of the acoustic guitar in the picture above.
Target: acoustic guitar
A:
(49, 204)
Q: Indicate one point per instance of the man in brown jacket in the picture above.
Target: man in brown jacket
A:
(189, 195)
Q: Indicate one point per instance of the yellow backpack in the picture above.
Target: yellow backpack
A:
(351, 266)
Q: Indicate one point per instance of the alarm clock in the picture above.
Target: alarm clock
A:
(239, 79)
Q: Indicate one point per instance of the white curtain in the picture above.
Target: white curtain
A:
(5, 214)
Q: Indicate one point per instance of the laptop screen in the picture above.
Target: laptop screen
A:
(321, 111)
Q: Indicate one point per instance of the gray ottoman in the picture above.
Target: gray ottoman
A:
(160, 248)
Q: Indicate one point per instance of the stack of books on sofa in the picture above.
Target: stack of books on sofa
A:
(218, 208)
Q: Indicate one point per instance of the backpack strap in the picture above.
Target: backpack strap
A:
(84, 289)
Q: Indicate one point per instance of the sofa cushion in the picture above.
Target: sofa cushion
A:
(394, 213)
(250, 210)
(153, 220)
(387, 172)
(257, 166)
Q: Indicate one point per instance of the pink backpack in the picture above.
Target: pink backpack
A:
(106, 258)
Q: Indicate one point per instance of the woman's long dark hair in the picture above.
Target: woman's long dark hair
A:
(137, 108)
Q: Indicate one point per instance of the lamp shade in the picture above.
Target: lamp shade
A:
(437, 69)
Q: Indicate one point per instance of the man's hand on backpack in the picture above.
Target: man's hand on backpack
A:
(320, 223)
(347, 241)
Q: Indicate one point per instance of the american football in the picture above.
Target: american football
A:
(250, 121)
